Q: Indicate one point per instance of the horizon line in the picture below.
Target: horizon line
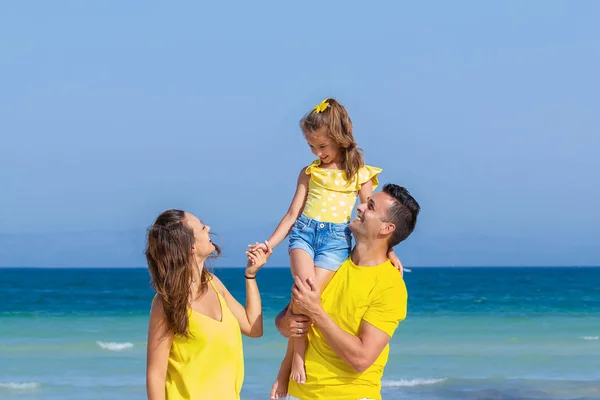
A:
(287, 267)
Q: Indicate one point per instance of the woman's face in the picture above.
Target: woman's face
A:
(203, 246)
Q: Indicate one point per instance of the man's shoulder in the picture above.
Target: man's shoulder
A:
(390, 276)
(389, 283)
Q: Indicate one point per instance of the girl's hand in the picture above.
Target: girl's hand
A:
(395, 261)
(256, 259)
(257, 246)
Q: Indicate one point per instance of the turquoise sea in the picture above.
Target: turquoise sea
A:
(470, 333)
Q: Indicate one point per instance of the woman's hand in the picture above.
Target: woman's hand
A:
(256, 259)
(259, 246)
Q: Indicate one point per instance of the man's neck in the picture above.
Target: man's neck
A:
(369, 254)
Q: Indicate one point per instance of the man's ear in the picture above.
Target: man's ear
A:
(388, 228)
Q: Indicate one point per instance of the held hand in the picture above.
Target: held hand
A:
(295, 325)
(256, 259)
(257, 246)
(306, 297)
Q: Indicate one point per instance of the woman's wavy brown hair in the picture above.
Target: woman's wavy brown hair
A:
(339, 128)
(171, 262)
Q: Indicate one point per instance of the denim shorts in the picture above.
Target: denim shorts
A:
(327, 243)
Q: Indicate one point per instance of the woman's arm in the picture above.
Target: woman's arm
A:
(250, 317)
(157, 355)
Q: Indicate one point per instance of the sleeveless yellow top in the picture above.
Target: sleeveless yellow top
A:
(210, 363)
(331, 197)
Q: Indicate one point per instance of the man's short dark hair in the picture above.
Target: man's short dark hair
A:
(403, 212)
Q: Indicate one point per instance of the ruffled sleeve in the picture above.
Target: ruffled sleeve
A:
(368, 173)
(325, 178)
(309, 170)
(333, 179)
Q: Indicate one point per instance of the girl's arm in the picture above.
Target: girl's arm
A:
(365, 192)
(250, 317)
(288, 220)
(395, 260)
(159, 345)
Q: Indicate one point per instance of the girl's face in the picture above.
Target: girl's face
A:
(323, 146)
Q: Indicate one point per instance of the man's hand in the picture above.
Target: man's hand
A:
(293, 325)
(306, 298)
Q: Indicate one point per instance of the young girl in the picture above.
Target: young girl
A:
(317, 219)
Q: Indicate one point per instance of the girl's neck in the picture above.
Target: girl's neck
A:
(331, 165)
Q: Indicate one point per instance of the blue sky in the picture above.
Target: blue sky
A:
(111, 112)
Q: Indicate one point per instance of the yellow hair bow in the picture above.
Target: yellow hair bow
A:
(322, 106)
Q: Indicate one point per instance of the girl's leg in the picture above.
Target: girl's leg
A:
(322, 277)
(299, 261)
(280, 387)
(301, 264)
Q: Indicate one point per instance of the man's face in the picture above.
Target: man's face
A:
(371, 216)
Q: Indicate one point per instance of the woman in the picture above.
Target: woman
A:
(194, 335)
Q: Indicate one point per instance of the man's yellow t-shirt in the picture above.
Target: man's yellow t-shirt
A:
(376, 295)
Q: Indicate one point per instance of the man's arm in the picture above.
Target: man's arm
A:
(360, 352)
(280, 322)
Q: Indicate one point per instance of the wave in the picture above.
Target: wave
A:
(412, 382)
(114, 346)
(19, 386)
(591, 337)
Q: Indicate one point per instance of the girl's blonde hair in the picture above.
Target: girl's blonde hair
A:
(331, 114)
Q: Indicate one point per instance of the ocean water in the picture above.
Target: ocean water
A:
(493, 333)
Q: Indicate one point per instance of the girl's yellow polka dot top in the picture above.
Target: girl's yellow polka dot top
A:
(330, 196)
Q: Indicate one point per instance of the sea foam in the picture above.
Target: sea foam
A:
(412, 382)
(114, 346)
(19, 385)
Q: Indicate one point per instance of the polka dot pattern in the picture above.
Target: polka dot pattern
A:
(331, 197)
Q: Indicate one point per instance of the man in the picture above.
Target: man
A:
(357, 313)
